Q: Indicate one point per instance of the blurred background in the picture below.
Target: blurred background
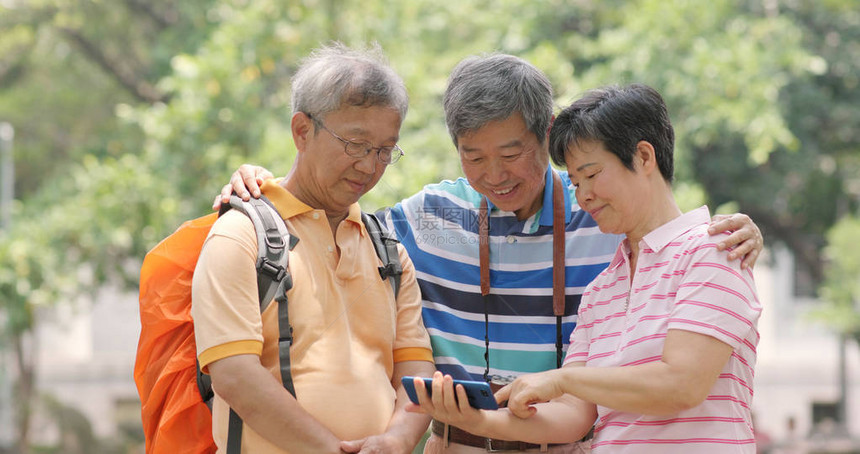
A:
(119, 119)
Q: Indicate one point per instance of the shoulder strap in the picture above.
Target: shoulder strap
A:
(385, 245)
(274, 243)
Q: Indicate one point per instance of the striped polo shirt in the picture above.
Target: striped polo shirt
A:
(681, 282)
(439, 229)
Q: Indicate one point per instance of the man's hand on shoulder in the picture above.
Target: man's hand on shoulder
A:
(245, 181)
(745, 239)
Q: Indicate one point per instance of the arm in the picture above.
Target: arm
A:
(745, 240)
(409, 427)
(405, 429)
(565, 419)
(263, 403)
(688, 369)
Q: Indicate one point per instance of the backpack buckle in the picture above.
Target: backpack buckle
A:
(272, 269)
(387, 270)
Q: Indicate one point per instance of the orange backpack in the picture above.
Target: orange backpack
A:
(174, 394)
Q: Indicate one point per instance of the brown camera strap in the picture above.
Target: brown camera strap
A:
(558, 267)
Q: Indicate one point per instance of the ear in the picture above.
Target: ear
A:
(646, 156)
(301, 126)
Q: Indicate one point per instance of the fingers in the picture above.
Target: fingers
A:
(240, 184)
(721, 223)
(462, 400)
(261, 173)
(750, 259)
(246, 181)
(446, 402)
(352, 445)
(226, 192)
(518, 404)
(223, 197)
(216, 204)
(745, 241)
(503, 394)
(441, 398)
(424, 402)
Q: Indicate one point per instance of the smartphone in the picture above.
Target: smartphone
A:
(479, 393)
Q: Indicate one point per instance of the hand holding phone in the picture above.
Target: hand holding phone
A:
(479, 393)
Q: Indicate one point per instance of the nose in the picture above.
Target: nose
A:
(495, 172)
(368, 163)
(583, 194)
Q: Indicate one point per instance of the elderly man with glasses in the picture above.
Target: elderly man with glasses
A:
(353, 338)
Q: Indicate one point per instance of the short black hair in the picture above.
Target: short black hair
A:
(618, 117)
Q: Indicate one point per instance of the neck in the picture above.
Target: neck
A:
(296, 188)
(662, 210)
(529, 210)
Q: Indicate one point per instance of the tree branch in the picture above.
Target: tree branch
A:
(139, 88)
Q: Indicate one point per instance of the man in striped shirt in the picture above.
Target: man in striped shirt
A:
(498, 109)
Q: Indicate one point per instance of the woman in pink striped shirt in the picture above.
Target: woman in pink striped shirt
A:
(662, 358)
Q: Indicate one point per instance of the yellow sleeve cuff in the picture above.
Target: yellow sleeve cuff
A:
(243, 347)
(413, 354)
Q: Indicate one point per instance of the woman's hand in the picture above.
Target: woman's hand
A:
(530, 389)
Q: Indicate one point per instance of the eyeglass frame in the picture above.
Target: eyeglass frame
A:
(366, 146)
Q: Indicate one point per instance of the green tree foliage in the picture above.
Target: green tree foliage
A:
(841, 289)
(131, 114)
(806, 184)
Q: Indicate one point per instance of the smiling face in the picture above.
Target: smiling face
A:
(324, 176)
(616, 197)
(504, 161)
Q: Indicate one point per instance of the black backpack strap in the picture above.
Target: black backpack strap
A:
(385, 245)
(234, 433)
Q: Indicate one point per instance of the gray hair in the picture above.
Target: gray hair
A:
(334, 76)
(492, 87)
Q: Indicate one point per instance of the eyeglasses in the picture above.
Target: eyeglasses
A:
(360, 149)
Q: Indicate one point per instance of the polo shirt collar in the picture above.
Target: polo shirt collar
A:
(289, 206)
(660, 237)
(546, 214)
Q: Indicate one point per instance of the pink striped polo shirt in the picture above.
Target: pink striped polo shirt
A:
(682, 282)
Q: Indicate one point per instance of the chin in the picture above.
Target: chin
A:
(508, 205)
(605, 228)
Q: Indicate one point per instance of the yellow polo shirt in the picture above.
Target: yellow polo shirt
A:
(347, 329)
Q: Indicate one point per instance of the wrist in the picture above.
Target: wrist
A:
(564, 380)
(402, 440)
